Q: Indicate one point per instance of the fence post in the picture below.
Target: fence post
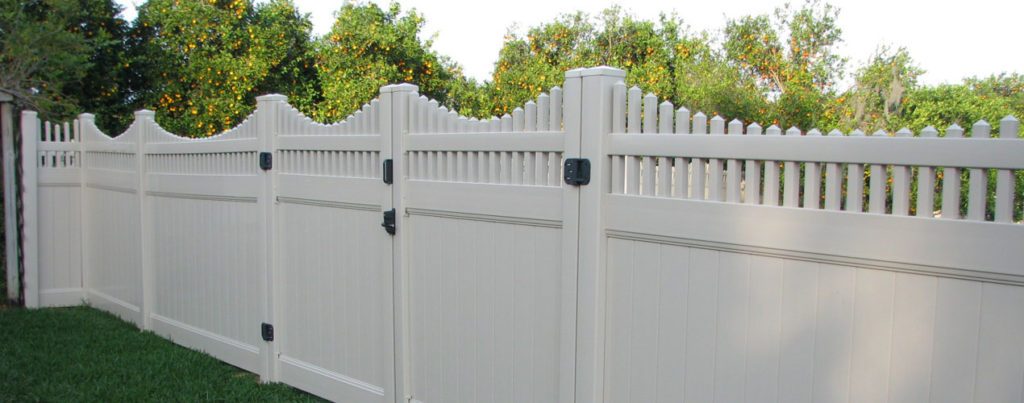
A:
(268, 112)
(29, 200)
(568, 102)
(145, 122)
(394, 125)
(84, 122)
(594, 99)
(10, 197)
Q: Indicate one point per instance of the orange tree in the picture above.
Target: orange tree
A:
(792, 54)
(661, 57)
(200, 64)
(369, 47)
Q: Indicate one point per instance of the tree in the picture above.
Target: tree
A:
(51, 51)
(529, 66)
(660, 57)
(1007, 86)
(706, 81)
(947, 104)
(368, 48)
(803, 72)
(877, 98)
(201, 64)
(104, 90)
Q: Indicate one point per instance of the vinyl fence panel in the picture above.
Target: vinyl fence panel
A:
(592, 245)
(490, 307)
(334, 267)
(112, 260)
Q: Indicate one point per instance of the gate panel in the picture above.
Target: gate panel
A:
(334, 277)
(491, 308)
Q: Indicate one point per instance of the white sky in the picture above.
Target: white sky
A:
(950, 40)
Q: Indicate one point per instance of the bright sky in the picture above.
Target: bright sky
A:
(950, 40)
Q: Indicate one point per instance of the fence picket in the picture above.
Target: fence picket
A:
(716, 185)
(1008, 128)
(879, 178)
(771, 174)
(977, 194)
(650, 125)
(544, 112)
(833, 181)
(855, 182)
(926, 182)
(812, 179)
(681, 185)
(752, 171)
(698, 178)
(901, 182)
(791, 185)
(732, 182)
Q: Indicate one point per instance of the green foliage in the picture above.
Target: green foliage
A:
(529, 66)
(943, 105)
(802, 72)
(368, 48)
(45, 49)
(660, 57)
(877, 97)
(202, 63)
(704, 81)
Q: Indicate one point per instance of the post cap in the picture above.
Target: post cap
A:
(596, 71)
(272, 97)
(402, 87)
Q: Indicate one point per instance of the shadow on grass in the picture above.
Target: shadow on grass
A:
(82, 354)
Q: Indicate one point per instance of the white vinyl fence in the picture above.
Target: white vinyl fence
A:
(700, 260)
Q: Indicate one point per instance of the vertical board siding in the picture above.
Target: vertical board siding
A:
(699, 325)
(484, 311)
(332, 290)
(113, 257)
(206, 279)
(59, 245)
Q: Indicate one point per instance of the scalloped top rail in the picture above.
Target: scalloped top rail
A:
(246, 130)
(541, 115)
(364, 121)
(291, 121)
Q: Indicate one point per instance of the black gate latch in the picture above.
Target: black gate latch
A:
(389, 221)
(389, 171)
(577, 171)
(267, 331)
(266, 161)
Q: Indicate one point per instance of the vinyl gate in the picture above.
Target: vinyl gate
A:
(594, 245)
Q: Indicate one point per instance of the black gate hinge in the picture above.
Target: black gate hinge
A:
(389, 171)
(266, 161)
(267, 331)
(577, 171)
(389, 222)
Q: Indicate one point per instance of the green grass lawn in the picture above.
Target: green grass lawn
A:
(82, 354)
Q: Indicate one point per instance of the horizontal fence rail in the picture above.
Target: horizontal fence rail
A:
(594, 244)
